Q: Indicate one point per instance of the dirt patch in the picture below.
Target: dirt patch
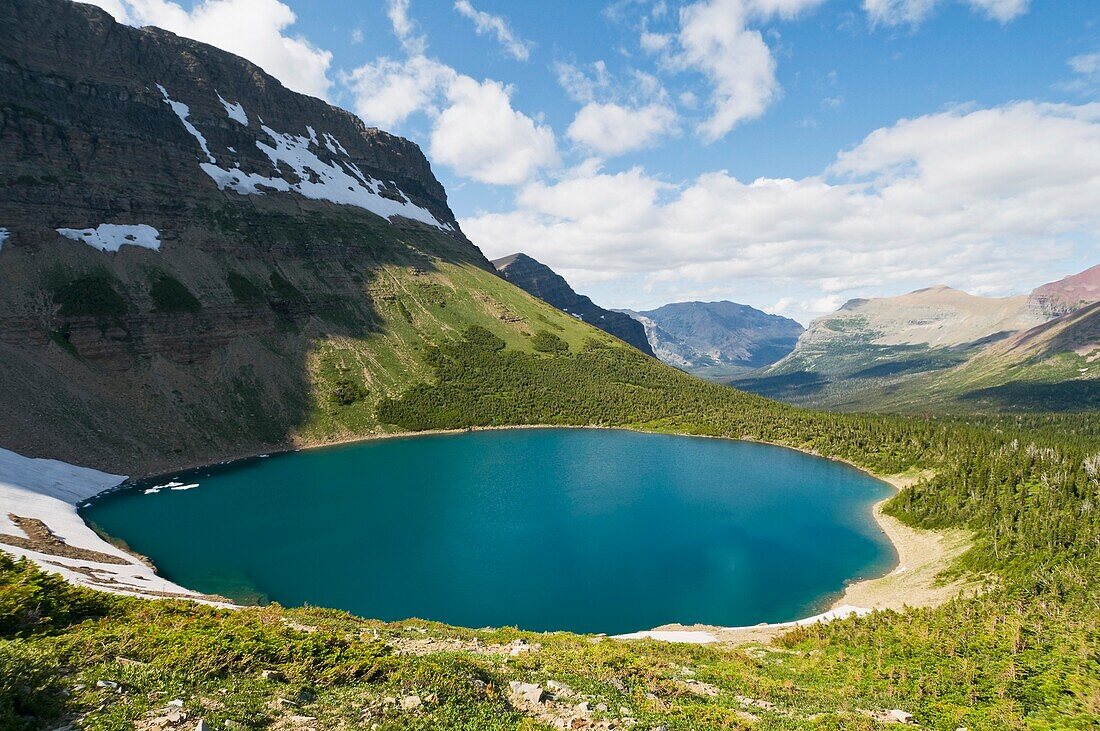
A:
(41, 539)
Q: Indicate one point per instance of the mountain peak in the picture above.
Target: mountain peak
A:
(537, 279)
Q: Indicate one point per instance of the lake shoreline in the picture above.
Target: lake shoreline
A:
(922, 556)
(930, 552)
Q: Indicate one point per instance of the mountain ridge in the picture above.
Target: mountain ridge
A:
(710, 339)
(541, 281)
(933, 346)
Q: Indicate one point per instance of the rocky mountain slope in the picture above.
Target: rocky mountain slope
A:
(1068, 294)
(714, 339)
(196, 262)
(940, 347)
(543, 282)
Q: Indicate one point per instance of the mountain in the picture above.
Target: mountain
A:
(543, 282)
(942, 348)
(1068, 294)
(197, 263)
(713, 339)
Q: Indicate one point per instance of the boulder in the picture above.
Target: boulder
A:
(530, 692)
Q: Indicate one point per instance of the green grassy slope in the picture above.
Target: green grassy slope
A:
(1024, 655)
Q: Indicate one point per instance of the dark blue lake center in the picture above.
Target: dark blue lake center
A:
(589, 530)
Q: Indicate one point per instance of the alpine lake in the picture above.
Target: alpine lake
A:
(585, 530)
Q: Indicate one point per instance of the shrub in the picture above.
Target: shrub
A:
(547, 342)
(347, 392)
(91, 294)
(244, 289)
(284, 289)
(169, 295)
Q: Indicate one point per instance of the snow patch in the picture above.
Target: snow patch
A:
(113, 236)
(235, 111)
(691, 637)
(49, 490)
(703, 637)
(336, 181)
(182, 111)
(4, 234)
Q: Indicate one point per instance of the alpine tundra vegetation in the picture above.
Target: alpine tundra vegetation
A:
(202, 265)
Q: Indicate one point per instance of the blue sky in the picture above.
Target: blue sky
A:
(790, 154)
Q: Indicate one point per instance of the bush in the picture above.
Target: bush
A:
(169, 295)
(347, 392)
(33, 601)
(284, 289)
(482, 339)
(547, 342)
(244, 290)
(91, 295)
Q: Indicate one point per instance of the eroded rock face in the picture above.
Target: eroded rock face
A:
(214, 226)
(1067, 295)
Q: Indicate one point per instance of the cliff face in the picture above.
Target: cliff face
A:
(178, 233)
(1068, 294)
(543, 282)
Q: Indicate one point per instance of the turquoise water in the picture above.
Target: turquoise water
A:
(588, 530)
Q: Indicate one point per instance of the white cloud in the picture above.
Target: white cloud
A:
(475, 129)
(912, 12)
(1001, 10)
(404, 27)
(980, 198)
(735, 59)
(716, 40)
(515, 46)
(654, 42)
(483, 138)
(1087, 64)
(896, 12)
(387, 91)
(254, 29)
(581, 87)
(612, 129)
(1086, 68)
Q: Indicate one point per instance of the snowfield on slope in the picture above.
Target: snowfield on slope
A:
(113, 236)
(339, 181)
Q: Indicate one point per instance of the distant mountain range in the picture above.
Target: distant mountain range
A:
(940, 347)
(717, 339)
(713, 340)
(549, 286)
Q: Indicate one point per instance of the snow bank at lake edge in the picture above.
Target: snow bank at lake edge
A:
(50, 490)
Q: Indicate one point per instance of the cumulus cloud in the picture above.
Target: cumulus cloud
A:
(254, 29)
(611, 129)
(482, 137)
(474, 128)
(716, 40)
(912, 12)
(388, 91)
(618, 115)
(404, 27)
(981, 197)
(513, 45)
